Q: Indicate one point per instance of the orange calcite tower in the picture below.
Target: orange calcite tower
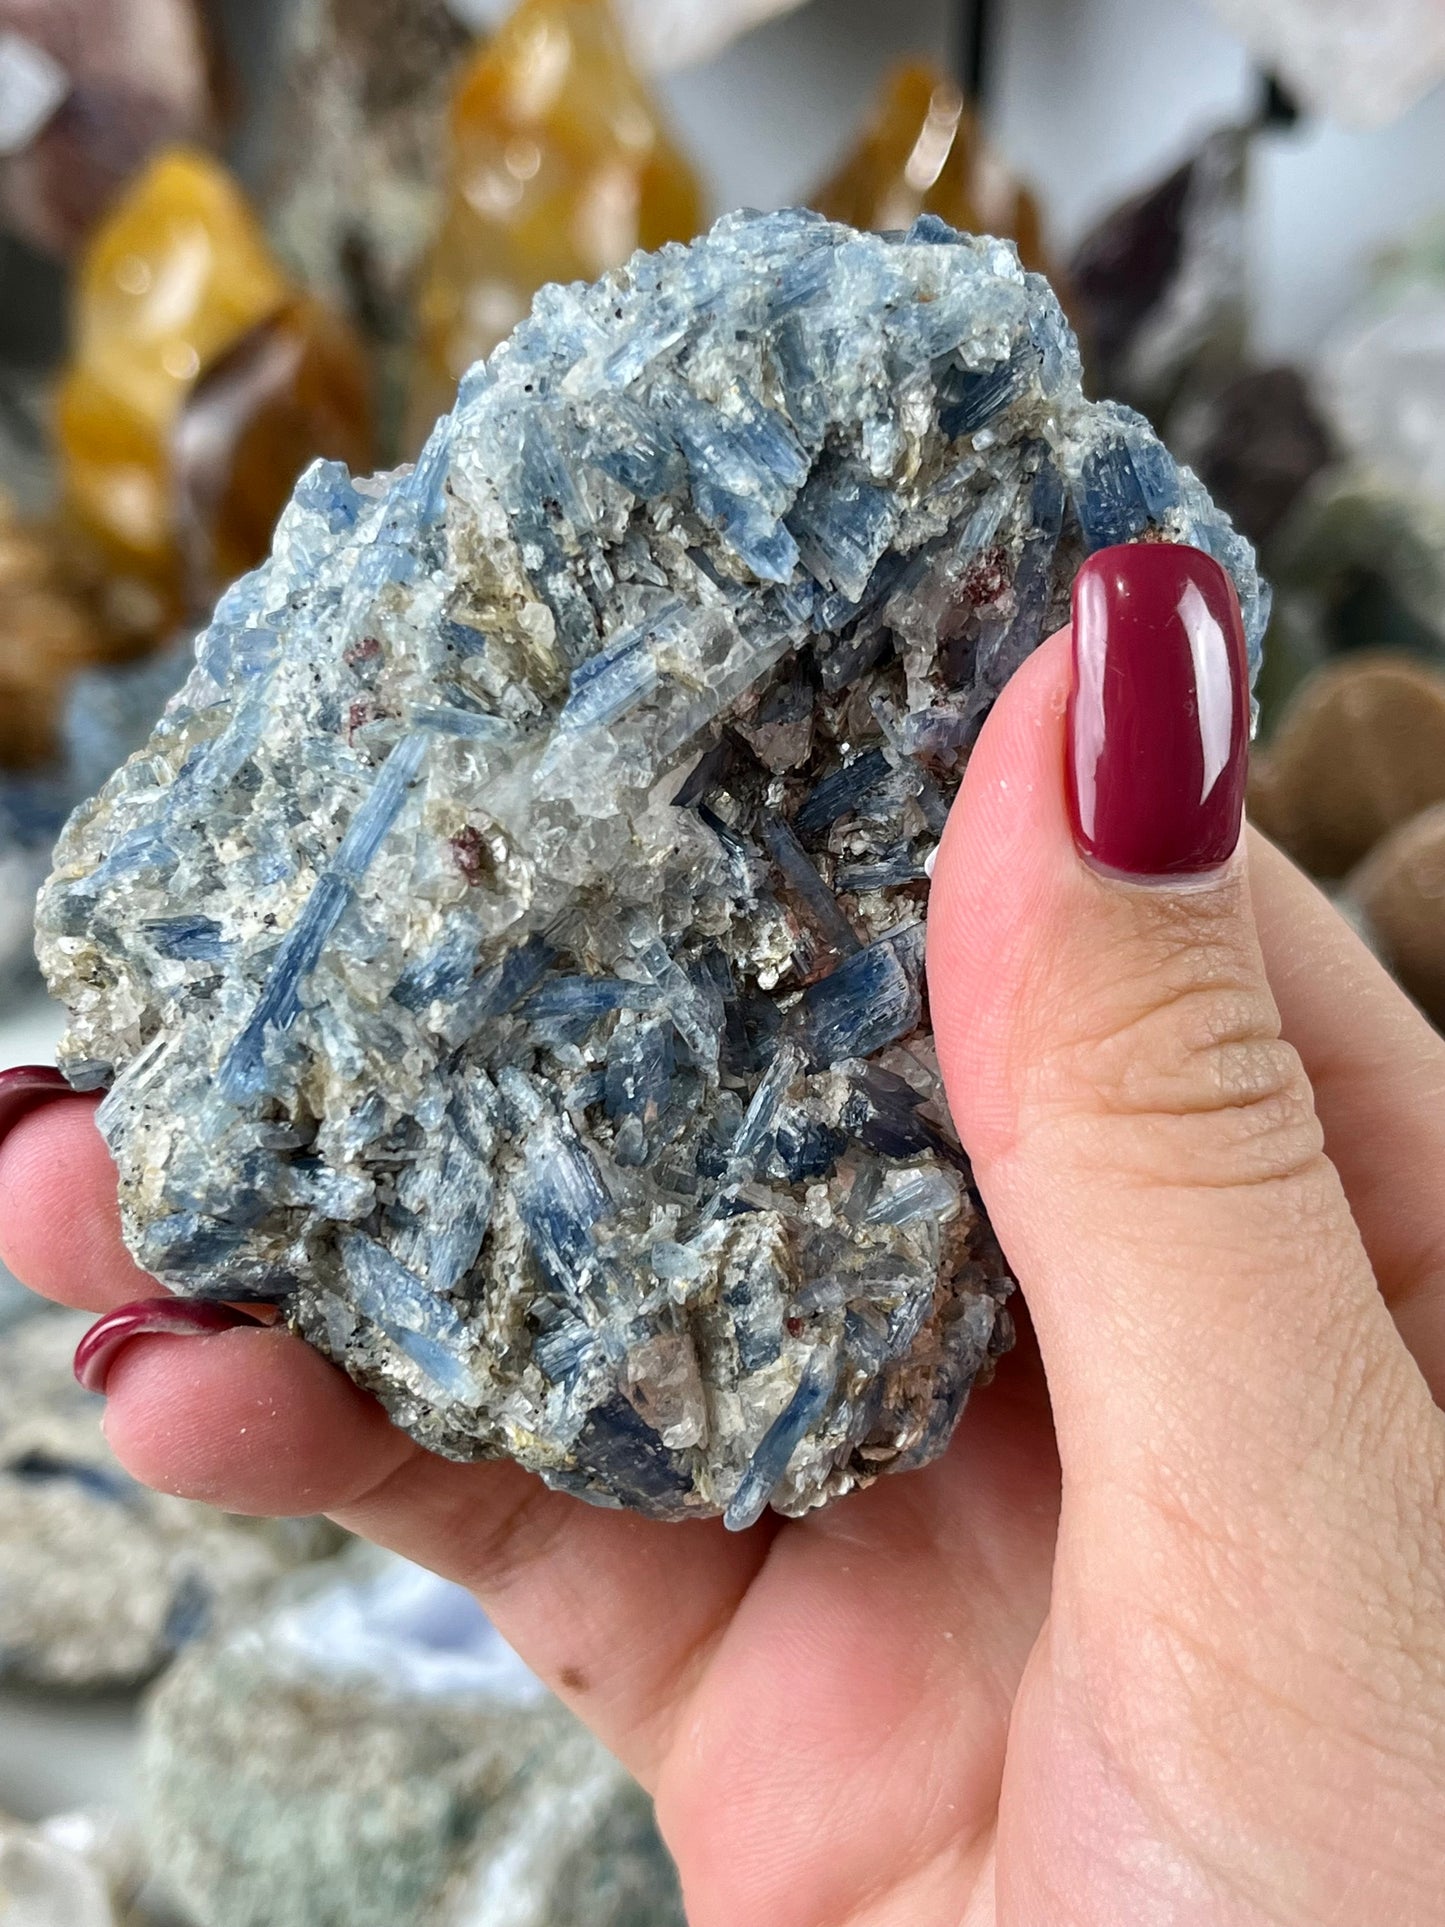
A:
(923, 152)
(560, 167)
(48, 631)
(173, 283)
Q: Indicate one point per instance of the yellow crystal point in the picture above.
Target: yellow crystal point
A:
(173, 281)
(560, 167)
(923, 152)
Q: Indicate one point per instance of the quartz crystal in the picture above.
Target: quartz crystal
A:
(1158, 286)
(560, 166)
(507, 954)
(88, 89)
(1384, 381)
(355, 149)
(662, 34)
(101, 1581)
(370, 1751)
(924, 152)
(1363, 65)
(1257, 443)
(201, 384)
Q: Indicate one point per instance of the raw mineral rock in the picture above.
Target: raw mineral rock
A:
(506, 956)
(88, 90)
(1159, 284)
(1400, 892)
(370, 1752)
(101, 1581)
(559, 165)
(201, 384)
(1359, 752)
(923, 151)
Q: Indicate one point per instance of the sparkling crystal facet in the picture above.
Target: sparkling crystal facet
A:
(176, 281)
(560, 167)
(923, 152)
(556, 819)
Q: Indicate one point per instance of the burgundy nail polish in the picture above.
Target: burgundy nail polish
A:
(170, 1317)
(1158, 713)
(26, 1089)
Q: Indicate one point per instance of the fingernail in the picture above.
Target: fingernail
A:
(26, 1089)
(1158, 713)
(170, 1317)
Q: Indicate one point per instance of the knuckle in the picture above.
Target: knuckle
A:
(1183, 1076)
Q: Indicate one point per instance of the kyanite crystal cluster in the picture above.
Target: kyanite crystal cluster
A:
(506, 956)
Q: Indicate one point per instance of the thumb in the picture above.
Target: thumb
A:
(1146, 1143)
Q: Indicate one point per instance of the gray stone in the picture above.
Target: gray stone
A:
(507, 954)
(369, 1752)
(102, 1581)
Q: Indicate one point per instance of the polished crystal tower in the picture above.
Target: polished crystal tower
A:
(507, 955)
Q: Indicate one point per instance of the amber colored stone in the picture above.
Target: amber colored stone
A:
(48, 630)
(174, 282)
(923, 152)
(1359, 751)
(560, 167)
(295, 386)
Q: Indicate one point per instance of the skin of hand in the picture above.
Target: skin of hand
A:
(1160, 1642)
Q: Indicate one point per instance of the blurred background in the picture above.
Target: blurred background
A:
(239, 234)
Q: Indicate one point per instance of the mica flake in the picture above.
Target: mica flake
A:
(506, 956)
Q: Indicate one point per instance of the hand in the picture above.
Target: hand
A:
(1161, 1641)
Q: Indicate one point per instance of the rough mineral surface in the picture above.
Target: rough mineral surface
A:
(507, 953)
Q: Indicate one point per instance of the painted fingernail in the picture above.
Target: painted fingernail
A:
(26, 1089)
(170, 1317)
(1158, 712)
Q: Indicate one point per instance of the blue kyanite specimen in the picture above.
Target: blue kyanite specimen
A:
(506, 955)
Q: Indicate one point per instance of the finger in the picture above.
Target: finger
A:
(1146, 1142)
(59, 1217)
(1377, 1068)
(616, 1613)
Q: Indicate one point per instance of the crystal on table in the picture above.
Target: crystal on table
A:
(1158, 285)
(355, 150)
(1364, 66)
(194, 353)
(923, 151)
(527, 1069)
(93, 88)
(47, 633)
(559, 166)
